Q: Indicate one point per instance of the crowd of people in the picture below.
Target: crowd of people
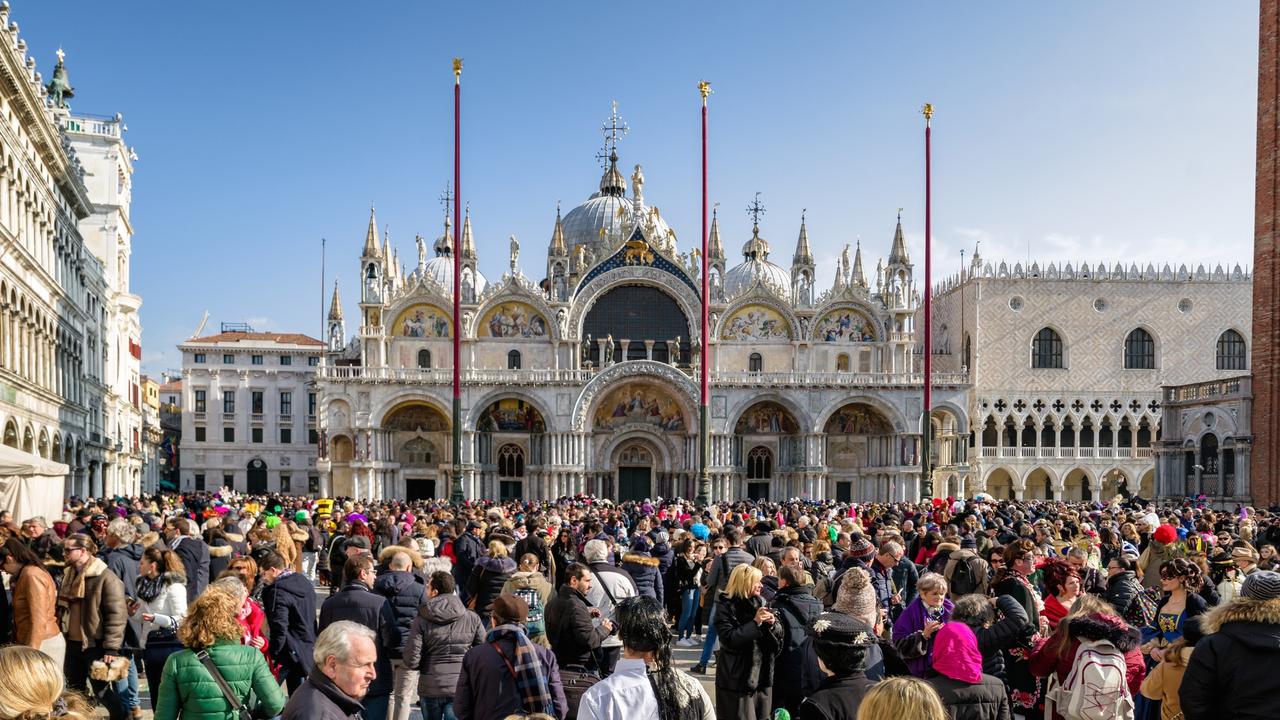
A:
(232, 607)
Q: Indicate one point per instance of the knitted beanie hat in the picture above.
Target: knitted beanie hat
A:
(856, 598)
(1262, 585)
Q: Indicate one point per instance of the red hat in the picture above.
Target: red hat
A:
(1166, 535)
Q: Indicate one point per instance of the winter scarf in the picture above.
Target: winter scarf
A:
(149, 588)
(525, 667)
(911, 621)
(73, 582)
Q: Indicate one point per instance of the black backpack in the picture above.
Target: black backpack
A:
(963, 578)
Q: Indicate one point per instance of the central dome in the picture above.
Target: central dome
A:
(599, 223)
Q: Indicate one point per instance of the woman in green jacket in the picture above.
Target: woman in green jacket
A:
(188, 691)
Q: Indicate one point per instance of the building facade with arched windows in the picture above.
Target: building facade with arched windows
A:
(1067, 366)
(587, 380)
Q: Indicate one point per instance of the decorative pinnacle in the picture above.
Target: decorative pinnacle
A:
(457, 70)
(61, 56)
(611, 128)
(928, 113)
(704, 89)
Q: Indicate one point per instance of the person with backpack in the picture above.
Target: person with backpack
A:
(1093, 656)
(529, 584)
(966, 572)
(1126, 594)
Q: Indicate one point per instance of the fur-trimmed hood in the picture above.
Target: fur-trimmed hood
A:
(384, 557)
(1259, 620)
(219, 551)
(641, 559)
(1098, 626)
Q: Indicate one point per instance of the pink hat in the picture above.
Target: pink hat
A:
(955, 653)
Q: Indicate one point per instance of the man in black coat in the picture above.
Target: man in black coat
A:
(289, 602)
(357, 602)
(761, 540)
(796, 673)
(570, 630)
(340, 680)
(405, 591)
(194, 553)
(1232, 672)
(467, 550)
(1122, 583)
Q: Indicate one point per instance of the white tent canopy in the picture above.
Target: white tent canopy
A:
(31, 485)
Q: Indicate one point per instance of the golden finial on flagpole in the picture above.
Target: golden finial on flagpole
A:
(704, 89)
(928, 112)
(457, 70)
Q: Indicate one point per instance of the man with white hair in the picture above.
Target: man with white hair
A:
(611, 585)
(346, 654)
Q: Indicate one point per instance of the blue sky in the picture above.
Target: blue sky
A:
(1073, 131)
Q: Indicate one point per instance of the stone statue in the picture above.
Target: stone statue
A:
(579, 259)
(60, 90)
(422, 251)
(562, 321)
(515, 254)
(586, 349)
(637, 182)
(673, 351)
(608, 350)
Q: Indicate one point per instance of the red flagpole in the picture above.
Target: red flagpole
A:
(456, 494)
(927, 425)
(704, 437)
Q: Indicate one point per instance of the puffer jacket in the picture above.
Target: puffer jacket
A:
(439, 637)
(187, 690)
(984, 700)
(405, 591)
(745, 660)
(487, 579)
(1232, 670)
(644, 570)
(1122, 589)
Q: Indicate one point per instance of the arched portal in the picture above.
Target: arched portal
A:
(861, 449)
(341, 452)
(508, 425)
(767, 428)
(636, 314)
(1000, 484)
(11, 434)
(256, 477)
(1076, 486)
(418, 433)
(1039, 485)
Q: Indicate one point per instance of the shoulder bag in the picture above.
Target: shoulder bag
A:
(239, 708)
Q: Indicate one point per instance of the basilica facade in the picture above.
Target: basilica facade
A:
(585, 379)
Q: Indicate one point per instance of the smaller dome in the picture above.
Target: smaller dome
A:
(440, 270)
(756, 267)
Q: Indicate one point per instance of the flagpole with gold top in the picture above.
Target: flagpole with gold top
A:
(456, 495)
(926, 422)
(704, 364)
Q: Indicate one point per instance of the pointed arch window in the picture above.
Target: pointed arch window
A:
(511, 461)
(424, 358)
(1139, 350)
(755, 363)
(1046, 349)
(1231, 351)
(513, 360)
(760, 463)
(842, 362)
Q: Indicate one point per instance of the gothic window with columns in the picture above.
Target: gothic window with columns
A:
(1139, 350)
(1046, 349)
(511, 461)
(1231, 351)
(760, 463)
(513, 360)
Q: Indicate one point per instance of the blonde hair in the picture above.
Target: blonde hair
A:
(33, 685)
(742, 581)
(212, 617)
(498, 549)
(763, 562)
(898, 697)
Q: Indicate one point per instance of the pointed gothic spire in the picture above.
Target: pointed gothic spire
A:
(715, 250)
(335, 305)
(557, 237)
(898, 254)
(468, 243)
(371, 236)
(803, 255)
(386, 242)
(858, 278)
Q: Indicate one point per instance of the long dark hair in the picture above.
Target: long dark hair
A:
(643, 627)
(21, 554)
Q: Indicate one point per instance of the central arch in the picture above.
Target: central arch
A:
(766, 444)
(640, 314)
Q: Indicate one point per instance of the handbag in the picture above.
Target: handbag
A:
(241, 711)
(576, 681)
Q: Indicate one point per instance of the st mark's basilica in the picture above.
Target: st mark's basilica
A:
(585, 379)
